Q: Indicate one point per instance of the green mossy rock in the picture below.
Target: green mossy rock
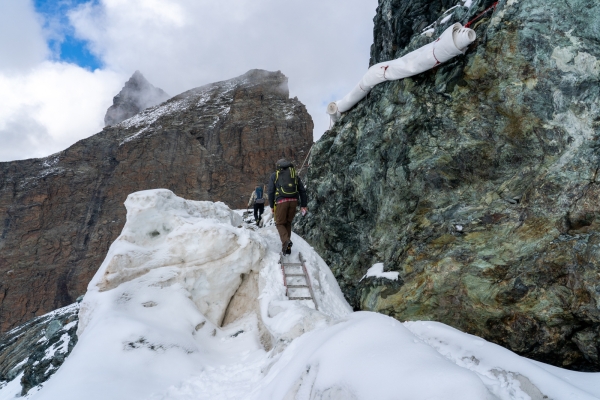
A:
(476, 181)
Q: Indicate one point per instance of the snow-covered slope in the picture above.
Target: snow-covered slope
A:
(190, 304)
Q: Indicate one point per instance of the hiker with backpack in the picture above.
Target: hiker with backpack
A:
(285, 187)
(258, 199)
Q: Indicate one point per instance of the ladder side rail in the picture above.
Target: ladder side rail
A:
(284, 279)
(308, 281)
(310, 289)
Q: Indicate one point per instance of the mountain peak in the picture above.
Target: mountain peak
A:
(137, 95)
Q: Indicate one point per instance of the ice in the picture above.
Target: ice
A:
(190, 304)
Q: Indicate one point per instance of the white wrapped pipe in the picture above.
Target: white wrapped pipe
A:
(451, 43)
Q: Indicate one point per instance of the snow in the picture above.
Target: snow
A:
(61, 346)
(446, 19)
(134, 136)
(468, 3)
(12, 389)
(377, 271)
(50, 161)
(190, 304)
(428, 32)
(219, 93)
(150, 115)
(450, 9)
(506, 374)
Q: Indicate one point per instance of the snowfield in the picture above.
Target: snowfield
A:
(190, 304)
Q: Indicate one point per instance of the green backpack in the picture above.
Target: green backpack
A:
(286, 181)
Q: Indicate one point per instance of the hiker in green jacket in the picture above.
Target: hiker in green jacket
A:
(285, 187)
(258, 200)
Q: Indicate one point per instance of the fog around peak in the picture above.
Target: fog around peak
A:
(137, 95)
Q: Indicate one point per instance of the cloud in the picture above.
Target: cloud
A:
(47, 104)
(21, 134)
(322, 46)
(22, 44)
(51, 106)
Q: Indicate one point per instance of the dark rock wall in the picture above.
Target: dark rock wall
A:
(59, 215)
(476, 181)
(35, 350)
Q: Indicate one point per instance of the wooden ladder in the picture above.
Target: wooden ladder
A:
(297, 272)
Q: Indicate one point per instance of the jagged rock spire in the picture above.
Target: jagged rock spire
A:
(137, 95)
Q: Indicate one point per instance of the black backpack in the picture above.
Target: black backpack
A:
(286, 181)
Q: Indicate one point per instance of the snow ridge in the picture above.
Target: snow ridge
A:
(190, 304)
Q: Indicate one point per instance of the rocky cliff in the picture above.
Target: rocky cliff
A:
(477, 181)
(137, 95)
(35, 350)
(59, 215)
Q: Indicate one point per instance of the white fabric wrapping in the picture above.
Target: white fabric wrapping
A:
(451, 43)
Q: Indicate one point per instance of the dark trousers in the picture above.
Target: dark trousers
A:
(259, 209)
(284, 215)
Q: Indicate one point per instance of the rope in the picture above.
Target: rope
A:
(306, 158)
(493, 6)
(437, 62)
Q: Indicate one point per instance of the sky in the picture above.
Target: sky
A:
(62, 61)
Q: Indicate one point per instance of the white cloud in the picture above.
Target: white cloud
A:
(51, 106)
(22, 44)
(322, 46)
(45, 106)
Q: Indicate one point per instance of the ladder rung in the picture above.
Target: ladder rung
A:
(300, 298)
(292, 264)
(297, 286)
(294, 275)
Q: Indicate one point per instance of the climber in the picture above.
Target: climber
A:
(284, 189)
(258, 199)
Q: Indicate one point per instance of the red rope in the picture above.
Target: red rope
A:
(493, 6)
(437, 62)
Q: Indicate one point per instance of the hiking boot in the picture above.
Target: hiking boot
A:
(288, 249)
(284, 248)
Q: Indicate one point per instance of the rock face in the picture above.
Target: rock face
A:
(33, 352)
(477, 181)
(137, 95)
(59, 215)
